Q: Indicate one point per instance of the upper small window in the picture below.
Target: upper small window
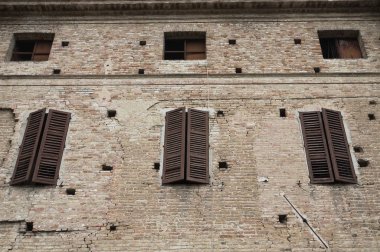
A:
(185, 46)
(340, 44)
(32, 46)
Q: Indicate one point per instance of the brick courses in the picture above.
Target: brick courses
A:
(236, 211)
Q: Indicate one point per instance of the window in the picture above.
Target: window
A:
(185, 46)
(32, 46)
(42, 147)
(340, 44)
(326, 147)
(186, 146)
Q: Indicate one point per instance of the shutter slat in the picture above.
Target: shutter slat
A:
(51, 149)
(27, 154)
(338, 145)
(197, 146)
(318, 159)
(174, 146)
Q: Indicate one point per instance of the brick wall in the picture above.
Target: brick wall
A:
(237, 211)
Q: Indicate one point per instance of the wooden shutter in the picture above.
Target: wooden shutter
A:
(174, 146)
(42, 50)
(197, 146)
(26, 158)
(338, 145)
(318, 159)
(51, 149)
(348, 48)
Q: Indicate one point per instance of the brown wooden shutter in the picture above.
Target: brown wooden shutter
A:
(174, 146)
(338, 145)
(27, 154)
(348, 48)
(197, 146)
(316, 148)
(51, 149)
(42, 50)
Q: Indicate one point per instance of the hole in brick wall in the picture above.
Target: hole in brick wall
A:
(113, 227)
(297, 41)
(111, 113)
(65, 43)
(56, 71)
(142, 42)
(317, 69)
(156, 166)
(107, 168)
(70, 191)
(223, 165)
(141, 71)
(282, 218)
(232, 41)
(282, 112)
(373, 102)
(238, 70)
(371, 116)
(358, 149)
(220, 113)
(29, 226)
(363, 162)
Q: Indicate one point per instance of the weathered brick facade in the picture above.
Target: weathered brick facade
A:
(267, 172)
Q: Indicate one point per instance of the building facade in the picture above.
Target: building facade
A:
(116, 69)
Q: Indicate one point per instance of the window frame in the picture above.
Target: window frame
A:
(332, 42)
(40, 46)
(184, 40)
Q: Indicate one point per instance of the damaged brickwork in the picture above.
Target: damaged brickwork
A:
(108, 196)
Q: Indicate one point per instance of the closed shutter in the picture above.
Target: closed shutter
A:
(338, 145)
(174, 146)
(197, 146)
(26, 158)
(316, 148)
(51, 149)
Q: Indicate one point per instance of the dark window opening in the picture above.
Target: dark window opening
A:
(372, 102)
(232, 41)
(32, 46)
(340, 44)
(141, 71)
(317, 69)
(113, 227)
(185, 46)
(282, 112)
(238, 70)
(297, 41)
(142, 42)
